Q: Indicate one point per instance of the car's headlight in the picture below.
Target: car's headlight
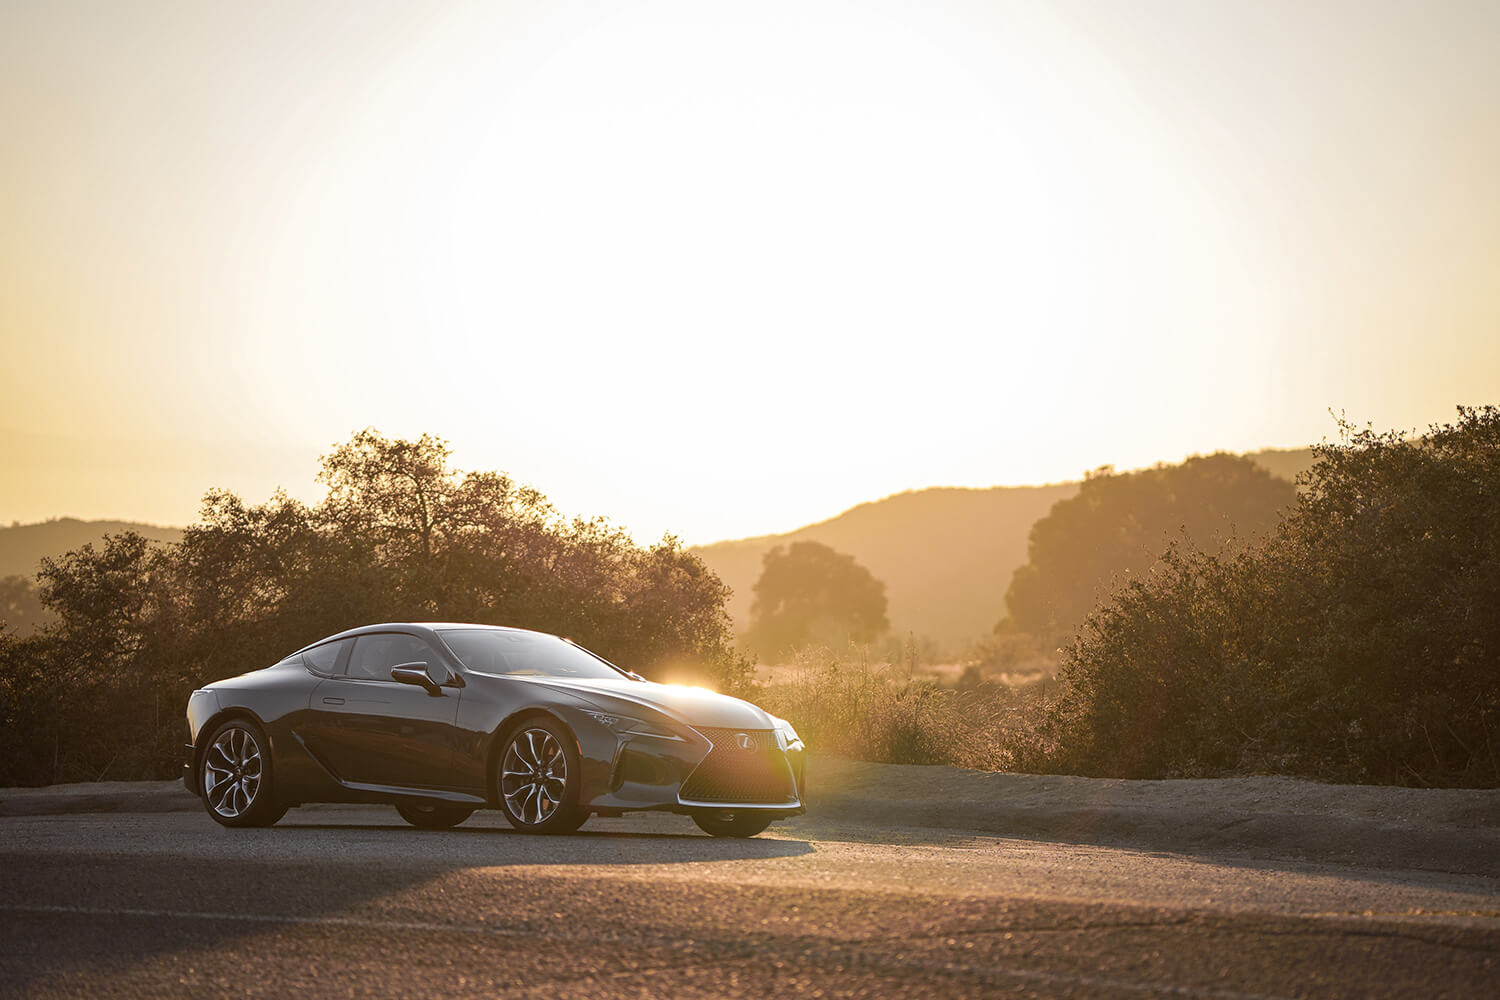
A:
(627, 726)
(786, 736)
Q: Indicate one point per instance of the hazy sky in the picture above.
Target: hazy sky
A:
(727, 268)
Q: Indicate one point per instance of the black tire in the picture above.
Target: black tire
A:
(731, 822)
(235, 776)
(433, 815)
(532, 794)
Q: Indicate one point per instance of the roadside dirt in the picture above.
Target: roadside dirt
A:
(1454, 830)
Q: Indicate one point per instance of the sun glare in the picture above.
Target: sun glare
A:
(816, 221)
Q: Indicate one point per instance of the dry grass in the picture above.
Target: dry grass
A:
(848, 703)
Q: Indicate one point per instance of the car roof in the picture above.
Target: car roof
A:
(426, 629)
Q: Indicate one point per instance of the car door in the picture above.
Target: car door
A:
(377, 731)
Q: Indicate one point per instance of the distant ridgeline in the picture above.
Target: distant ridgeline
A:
(946, 555)
(22, 546)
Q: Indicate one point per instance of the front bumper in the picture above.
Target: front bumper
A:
(693, 772)
(742, 769)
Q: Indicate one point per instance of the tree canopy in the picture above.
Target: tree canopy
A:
(399, 536)
(1117, 526)
(807, 592)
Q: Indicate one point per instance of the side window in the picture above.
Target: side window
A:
(325, 658)
(375, 655)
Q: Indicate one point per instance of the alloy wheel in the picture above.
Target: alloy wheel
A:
(232, 770)
(534, 776)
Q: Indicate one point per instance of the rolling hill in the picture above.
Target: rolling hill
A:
(22, 546)
(945, 554)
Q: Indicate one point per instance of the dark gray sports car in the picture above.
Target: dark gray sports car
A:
(442, 719)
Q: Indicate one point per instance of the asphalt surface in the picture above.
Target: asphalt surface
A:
(348, 901)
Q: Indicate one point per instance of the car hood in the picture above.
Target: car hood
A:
(690, 705)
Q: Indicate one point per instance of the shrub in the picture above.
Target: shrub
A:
(1360, 642)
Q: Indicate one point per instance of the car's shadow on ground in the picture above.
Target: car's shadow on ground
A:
(489, 842)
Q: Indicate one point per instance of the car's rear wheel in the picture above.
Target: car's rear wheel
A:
(539, 778)
(434, 815)
(731, 822)
(235, 776)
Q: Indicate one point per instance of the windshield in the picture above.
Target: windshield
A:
(491, 651)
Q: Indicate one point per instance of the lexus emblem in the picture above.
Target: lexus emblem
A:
(745, 740)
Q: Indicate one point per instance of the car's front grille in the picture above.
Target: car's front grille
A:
(731, 772)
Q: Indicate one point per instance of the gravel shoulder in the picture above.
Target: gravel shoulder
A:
(1445, 830)
(1451, 830)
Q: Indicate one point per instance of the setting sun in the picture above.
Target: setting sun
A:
(724, 270)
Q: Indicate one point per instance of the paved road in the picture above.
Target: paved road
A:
(347, 901)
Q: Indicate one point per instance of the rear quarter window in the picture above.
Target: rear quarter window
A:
(325, 659)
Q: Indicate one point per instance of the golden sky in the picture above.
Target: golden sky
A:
(726, 268)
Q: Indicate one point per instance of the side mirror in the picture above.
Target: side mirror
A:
(419, 674)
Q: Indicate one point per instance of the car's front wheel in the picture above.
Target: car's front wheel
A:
(433, 816)
(235, 776)
(539, 778)
(730, 822)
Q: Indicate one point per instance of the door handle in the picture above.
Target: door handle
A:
(333, 701)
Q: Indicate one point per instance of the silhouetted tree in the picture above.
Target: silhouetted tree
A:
(105, 673)
(807, 592)
(1117, 526)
